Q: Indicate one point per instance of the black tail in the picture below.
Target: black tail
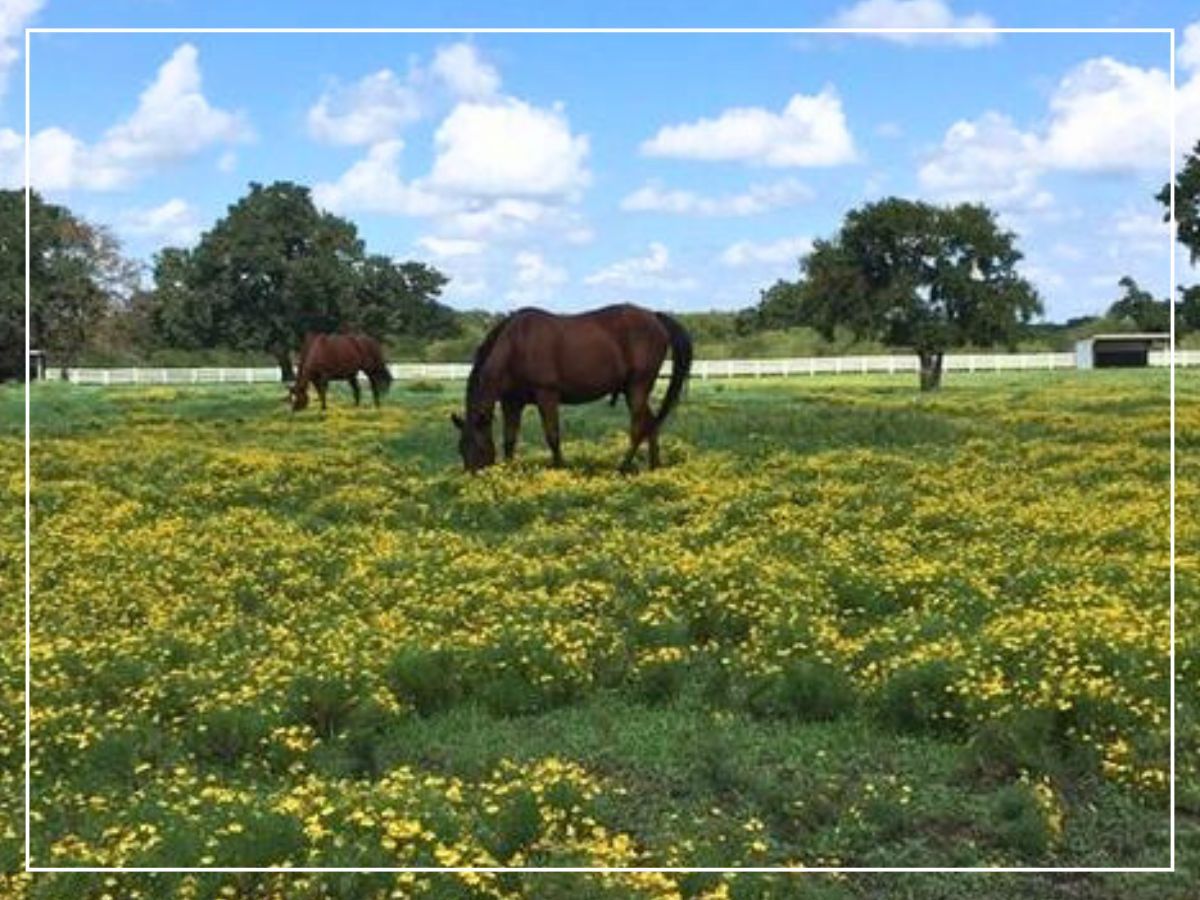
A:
(681, 366)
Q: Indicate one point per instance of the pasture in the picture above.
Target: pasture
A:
(844, 625)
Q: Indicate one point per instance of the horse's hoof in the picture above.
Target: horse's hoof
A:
(628, 468)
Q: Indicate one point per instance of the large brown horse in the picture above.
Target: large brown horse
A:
(537, 357)
(328, 357)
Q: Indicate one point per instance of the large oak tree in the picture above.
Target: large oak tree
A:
(923, 277)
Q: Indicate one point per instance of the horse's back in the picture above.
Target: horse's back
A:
(585, 356)
(341, 355)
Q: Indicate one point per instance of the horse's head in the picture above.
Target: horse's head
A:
(475, 440)
(297, 397)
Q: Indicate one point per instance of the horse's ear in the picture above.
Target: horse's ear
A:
(457, 420)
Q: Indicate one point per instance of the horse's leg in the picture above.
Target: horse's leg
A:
(641, 425)
(374, 382)
(547, 404)
(322, 385)
(512, 425)
(354, 389)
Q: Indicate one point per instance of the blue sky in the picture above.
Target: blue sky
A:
(679, 171)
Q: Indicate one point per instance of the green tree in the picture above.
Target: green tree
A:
(923, 277)
(1138, 307)
(1189, 308)
(779, 306)
(273, 268)
(77, 277)
(1187, 203)
(399, 299)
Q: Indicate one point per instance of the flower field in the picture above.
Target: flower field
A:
(845, 625)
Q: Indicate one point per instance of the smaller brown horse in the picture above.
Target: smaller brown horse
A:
(327, 357)
(537, 357)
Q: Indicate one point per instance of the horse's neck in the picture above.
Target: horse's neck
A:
(304, 370)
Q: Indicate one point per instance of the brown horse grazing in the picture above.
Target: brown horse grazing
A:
(534, 356)
(326, 357)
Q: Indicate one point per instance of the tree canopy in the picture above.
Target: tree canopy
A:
(1139, 308)
(923, 277)
(1187, 203)
(275, 267)
(77, 276)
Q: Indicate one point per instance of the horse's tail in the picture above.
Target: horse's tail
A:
(681, 366)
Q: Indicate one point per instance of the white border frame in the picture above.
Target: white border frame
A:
(1171, 231)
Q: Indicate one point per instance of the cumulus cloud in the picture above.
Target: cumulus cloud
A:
(172, 122)
(811, 130)
(651, 271)
(915, 14)
(174, 222)
(1109, 116)
(749, 253)
(12, 159)
(990, 160)
(373, 109)
(1104, 116)
(534, 278)
(1187, 54)
(464, 71)
(448, 248)
(508, 148)
(758, 198)
(14, 18)
(503, 170)
(374, 184)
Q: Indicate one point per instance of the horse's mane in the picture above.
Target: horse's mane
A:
(482, 352)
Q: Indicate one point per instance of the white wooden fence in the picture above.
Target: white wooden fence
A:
(703, 369)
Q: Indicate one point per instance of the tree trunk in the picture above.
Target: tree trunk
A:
(286, 373)
(931, 370)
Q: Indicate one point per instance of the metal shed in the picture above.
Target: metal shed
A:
(1104, 351)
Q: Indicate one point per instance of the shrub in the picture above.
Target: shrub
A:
(428, 679)
(224, 736)
(809, 690)
(923, 698)
(322, 702)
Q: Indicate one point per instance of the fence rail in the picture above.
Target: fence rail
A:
(703, 369)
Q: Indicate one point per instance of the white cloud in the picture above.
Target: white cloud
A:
(748, 253)
(374, 109)
(1104, 116)
(464, 72)
(502, 167)
(758, 198)
(810, 131)
(652, 271)
(227, 162)
(915, 14)
(14, 17)
(373, 184)
(12, 159)
(1141, 230)
(450, 247)
(1109, 116)
(508, 148)
(1187, 53)
(987, 160)
(173, 121)
(534, 278)
(174, 222)
(889, 130)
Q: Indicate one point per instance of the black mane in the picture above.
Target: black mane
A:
(482, 352)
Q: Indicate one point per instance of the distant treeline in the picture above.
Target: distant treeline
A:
(899, 274)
